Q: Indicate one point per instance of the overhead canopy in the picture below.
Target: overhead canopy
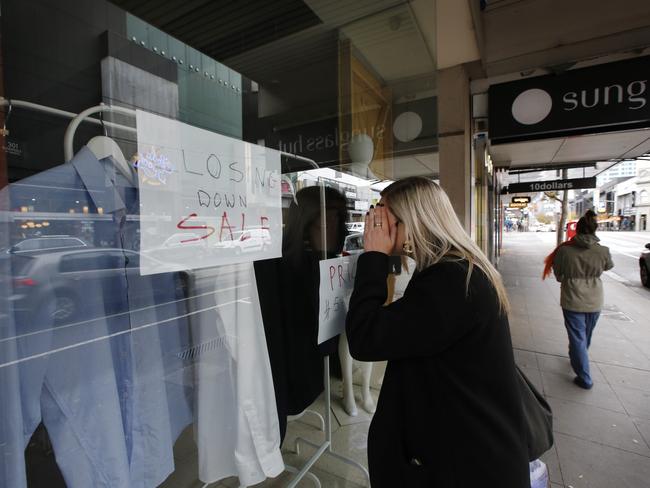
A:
(596, 152)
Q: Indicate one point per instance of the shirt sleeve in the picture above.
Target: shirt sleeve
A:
(431, 316)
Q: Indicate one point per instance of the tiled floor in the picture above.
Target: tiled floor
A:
(602, 436)
(349, 437)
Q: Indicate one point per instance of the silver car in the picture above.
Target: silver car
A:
(46, 243)
(353, 244)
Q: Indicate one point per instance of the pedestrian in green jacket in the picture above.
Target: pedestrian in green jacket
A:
(578, 265)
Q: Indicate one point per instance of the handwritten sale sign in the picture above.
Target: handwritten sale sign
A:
(336, 284)
(205, 199)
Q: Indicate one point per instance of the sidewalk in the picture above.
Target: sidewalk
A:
(602, 436)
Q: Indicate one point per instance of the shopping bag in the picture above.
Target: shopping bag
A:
(538, 474)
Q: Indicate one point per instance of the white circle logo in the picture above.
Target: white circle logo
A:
(532, 106)
(407, 126)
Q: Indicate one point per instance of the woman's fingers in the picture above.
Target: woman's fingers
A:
(366, 228)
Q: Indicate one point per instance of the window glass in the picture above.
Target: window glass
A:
(160, 254)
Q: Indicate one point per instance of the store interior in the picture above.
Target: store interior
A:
(139, 354)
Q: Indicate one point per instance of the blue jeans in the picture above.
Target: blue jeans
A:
(579, 327)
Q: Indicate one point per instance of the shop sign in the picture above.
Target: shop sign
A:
(13, 147)
(612, 96)
(524, 200)
(414, 131)
(553, 185)
(205, 199)
(517, 205)
(319, 141)
(361, 205)
(336, 284)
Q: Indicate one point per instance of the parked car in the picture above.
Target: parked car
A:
(355, 226)
(52, 288)
(644, 266)
(46, 243)
(255, 239)
(179, 246)
(353, 244)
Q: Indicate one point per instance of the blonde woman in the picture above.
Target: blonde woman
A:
(449, 412)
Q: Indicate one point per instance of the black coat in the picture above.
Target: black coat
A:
(449, 412)
(289, 303)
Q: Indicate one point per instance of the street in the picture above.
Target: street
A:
(625, 248)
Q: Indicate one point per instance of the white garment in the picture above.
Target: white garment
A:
(236, 421)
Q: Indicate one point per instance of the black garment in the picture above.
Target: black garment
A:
(449, 412)
(289, 303)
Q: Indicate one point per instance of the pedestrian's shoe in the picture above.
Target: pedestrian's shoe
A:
(582, 383)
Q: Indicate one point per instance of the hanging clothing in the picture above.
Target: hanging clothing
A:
(103, 382)
(289, 297)
(236, 422)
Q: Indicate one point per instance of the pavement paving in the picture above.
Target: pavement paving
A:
(602, 436)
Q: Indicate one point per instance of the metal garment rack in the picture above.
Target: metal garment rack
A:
(77, 119)
(7, 102)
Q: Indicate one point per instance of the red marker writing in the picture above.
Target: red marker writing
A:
(181, 225)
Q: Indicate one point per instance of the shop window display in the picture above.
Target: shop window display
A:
(120, 364)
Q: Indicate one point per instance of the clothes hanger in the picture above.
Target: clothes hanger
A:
(292, 189)
(103, 147)
(4, 131)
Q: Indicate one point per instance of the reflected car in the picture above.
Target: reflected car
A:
(355, 226)
(353, 244)
(63, 286)
(644, 266)
(182, 245)
(46, 243)
(249, 240)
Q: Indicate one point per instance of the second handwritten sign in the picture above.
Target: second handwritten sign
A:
(336, 285)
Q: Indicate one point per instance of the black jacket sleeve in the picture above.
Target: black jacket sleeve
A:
(433, 314)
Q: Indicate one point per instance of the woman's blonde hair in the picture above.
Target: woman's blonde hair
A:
(434, 231)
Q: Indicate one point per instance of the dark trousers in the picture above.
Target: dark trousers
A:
(579, 327)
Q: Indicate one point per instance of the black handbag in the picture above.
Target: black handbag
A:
(538, 418)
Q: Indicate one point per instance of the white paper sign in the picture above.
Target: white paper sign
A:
(205, 199)
(336, 284)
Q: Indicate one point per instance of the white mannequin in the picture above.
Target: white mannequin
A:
(367, 402)
(349, 403)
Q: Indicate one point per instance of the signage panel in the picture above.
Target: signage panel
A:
(552, 185)
(336, 284)
(524, 200)
(205, 199)
(612, 96)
